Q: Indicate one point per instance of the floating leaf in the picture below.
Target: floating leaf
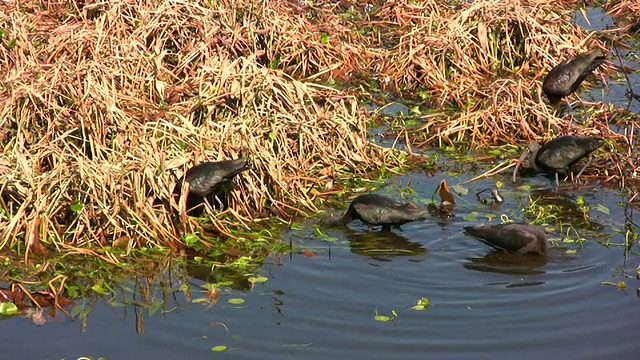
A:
(603, 209)
(219, 348)
(460, 189)
(382, 318)
(259, 279)
(8, 308)
(471, 216)
(421, 304)
(307, 253)
(236, 301)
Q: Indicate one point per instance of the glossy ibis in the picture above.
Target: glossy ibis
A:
(374, 209)
(559, 154)
(205, 178)
(565, 78)
(519, 238)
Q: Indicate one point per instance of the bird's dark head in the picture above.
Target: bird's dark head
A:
(245, 156)
(533, 147)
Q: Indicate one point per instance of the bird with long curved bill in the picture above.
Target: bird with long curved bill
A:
(559, 154)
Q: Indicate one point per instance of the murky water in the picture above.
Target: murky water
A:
(483, 304)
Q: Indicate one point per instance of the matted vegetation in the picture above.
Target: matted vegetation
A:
(102, 101)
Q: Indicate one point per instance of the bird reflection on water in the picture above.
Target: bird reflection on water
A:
(383, 245)
(507, 263)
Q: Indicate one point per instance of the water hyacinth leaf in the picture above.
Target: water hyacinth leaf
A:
(236, 301)
(219, 348)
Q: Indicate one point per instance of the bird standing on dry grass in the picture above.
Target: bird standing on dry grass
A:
(565, 78)
(206, 178)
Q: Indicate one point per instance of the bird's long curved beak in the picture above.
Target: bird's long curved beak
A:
(520, 160)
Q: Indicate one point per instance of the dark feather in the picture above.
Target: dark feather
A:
(374, 209)
(565, 78)
(521, 238)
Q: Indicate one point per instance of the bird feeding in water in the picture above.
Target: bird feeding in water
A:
(519, 238)
(565, 78)
(559, 154)
(206, 178)
(374, 209)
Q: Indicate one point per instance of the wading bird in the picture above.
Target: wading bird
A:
(374, 209)
(565, 78)
(519, 238)
(559, 154)
(205, 179)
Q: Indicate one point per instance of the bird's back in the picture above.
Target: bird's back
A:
(521, 238)
(380, 210)
(565, 78)
(564, 151)
(205, 177)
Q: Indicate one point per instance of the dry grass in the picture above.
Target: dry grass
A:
(628, 9)
(102, 101)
